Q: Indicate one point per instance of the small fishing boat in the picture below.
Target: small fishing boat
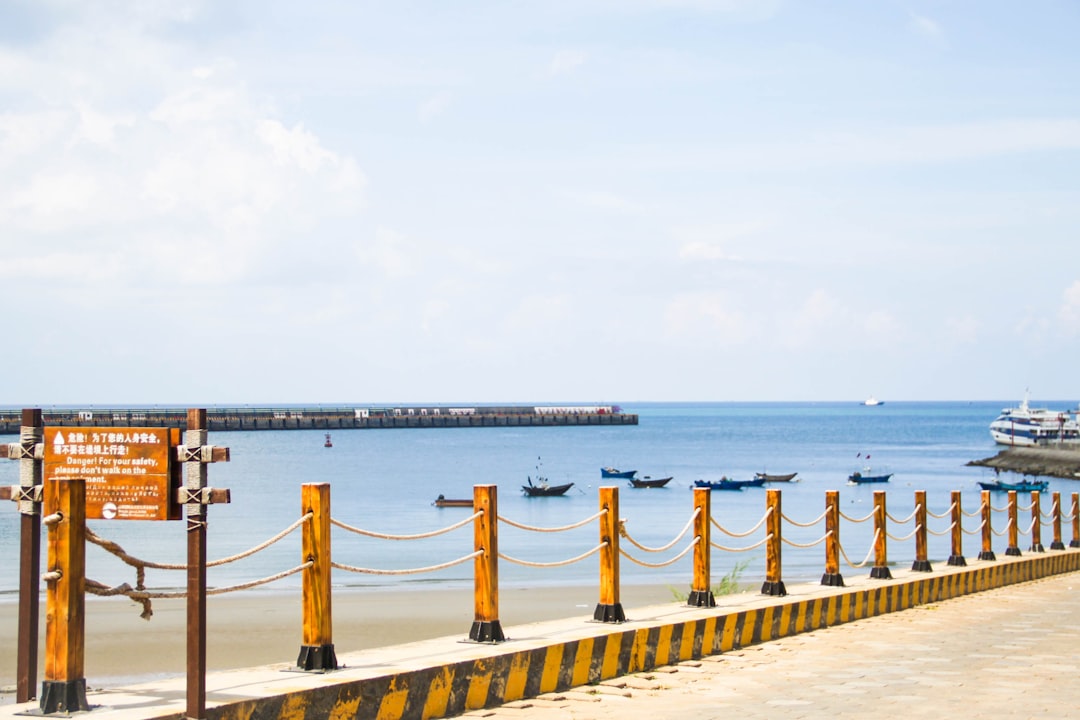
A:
(776, 478)
(543, 489)
(726, 483)
(648, 482)
(866, 476)
(610, 472)
(443, 501)
(328, 443)
(1022, 486)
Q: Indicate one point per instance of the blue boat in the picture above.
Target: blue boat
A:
(610, 472)
(725, 483)
(1022, 486)
(859, 478)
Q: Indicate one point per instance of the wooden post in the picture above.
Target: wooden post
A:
(30, 474)
(317, 651)
(1036, 522)
(1057, 544)
(922, 563)
(1013, 548)
(773, 585)
(881, 547)
(987, 529)
(956, 558)
(195, 476)
(64, 688)
(1075, 542)
(832, 576)
(609, 609)
(486, 626)
(701, 594)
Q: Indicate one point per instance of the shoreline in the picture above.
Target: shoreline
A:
(250, 630)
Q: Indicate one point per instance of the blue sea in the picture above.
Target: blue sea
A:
(386, 480)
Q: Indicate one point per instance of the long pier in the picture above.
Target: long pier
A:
(332, 418)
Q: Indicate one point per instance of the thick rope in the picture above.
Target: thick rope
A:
(909, 517)
(1030, 527)
(906, 537)
(639, 546)
(1024, 508)
(143, 596)
(665, 563)
(943, 515)
(999, 533)
(557, 563)
(866, 559)
(974, 531)
(114, 548)
(812, 523)
(531, 528)
(999, 509)
(857, 520)
(965, 513)
(752, 530)
(412, 571)
(756, 545)
(807, 545)
(417, 536)
(1049, 515)
(941, 533)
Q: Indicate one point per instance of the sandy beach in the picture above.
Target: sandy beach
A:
(250, 629)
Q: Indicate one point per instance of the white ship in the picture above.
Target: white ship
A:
(1030, 427)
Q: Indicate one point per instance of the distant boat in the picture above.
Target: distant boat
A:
(328, 443)
(1022, 486)
(543, 489)
(872, 401)
(726, 483)
(866, 476)
(610, 472)
(776, 478)
(648, 482)
(443, 501)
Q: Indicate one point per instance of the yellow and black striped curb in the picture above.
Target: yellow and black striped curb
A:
(508, 674)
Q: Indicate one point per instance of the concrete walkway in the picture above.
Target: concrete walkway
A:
(1013, 652)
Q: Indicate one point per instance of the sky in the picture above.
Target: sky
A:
(230, 201)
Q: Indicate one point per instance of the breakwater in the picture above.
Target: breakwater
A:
(332, 418)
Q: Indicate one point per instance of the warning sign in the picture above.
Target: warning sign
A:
(127, 470)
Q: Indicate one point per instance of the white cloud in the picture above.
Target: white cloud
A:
(706, 318)
(1069, 312)
(566, 61)
(435, 106)
(926, 27)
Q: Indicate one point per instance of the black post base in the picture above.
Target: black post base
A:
(1013, 551)
(1057, 545)
(921, 566)
(701, 598)
(957, 561)
(1074, 543)
(487, 632)
(317, 657)
(609, 613)
(832, 580)
(880, 572)
(1037, 548)
(776, 589)
(987, 555)
(63, 696)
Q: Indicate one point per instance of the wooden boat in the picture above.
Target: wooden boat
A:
(648, 482)
(726, 483)
(328, 443)
(443, 501)
(1022, 486)
(859, 478)
(776, 478)
(610, 472)
(543, 489)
